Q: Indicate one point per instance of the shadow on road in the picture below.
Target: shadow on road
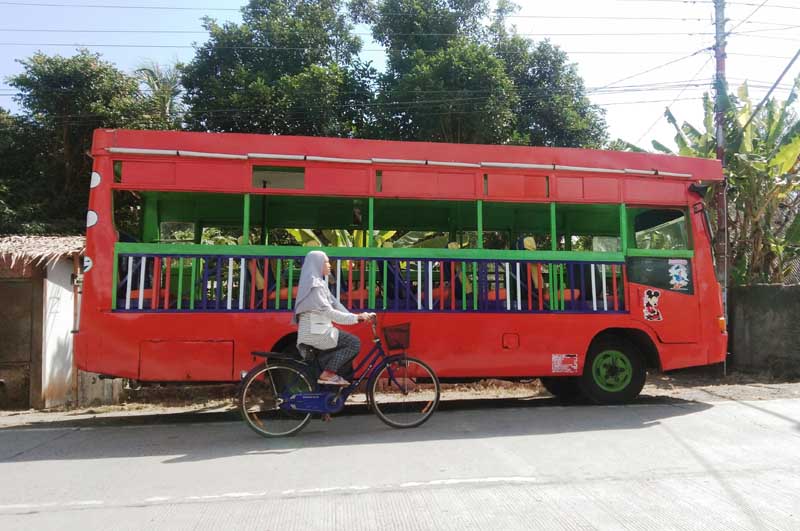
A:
(191, 437)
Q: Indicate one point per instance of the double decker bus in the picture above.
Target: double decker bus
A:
(585, 268)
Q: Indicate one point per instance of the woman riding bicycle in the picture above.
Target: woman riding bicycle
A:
(316, 310)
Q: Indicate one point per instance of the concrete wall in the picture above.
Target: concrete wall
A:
(62, 383)
(765, 329)
(96, 391)
(58, 384)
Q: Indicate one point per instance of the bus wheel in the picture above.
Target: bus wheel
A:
(565, 387)
(614, 372)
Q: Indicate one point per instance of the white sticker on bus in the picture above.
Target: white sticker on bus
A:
(565, 363)
(91, 218)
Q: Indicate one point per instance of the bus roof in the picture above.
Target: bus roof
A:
(266, 148)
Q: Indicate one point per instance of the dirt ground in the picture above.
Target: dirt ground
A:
(706, 384)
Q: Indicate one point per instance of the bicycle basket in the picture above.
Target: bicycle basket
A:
(398, 337)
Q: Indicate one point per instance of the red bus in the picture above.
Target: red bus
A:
(585, 268)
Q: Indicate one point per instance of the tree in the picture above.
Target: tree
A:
(762, 163)
(442, 81)
(405, 27)
(161, 101)
(553, 108)
(291, 67)
(451, 78)
(44, 152)
(458, 94)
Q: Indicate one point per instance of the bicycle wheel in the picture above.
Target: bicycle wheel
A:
(403, 392)
(263, 392)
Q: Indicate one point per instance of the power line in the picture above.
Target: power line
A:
(630, 89)
(758, 56)
(748, 16)
(657, 67)
(772, 88)
(203, 32)
(766, 37)
(230, 9)
(774, 6)
(302, 115)
(677, 98)
(694, 2)
(302, 49)
(118, 6)
(783, 27)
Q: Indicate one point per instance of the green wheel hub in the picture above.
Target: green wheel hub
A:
(612, 371)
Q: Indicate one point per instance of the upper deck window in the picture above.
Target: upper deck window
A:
(280, 177)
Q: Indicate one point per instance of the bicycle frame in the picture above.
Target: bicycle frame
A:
(333, 401)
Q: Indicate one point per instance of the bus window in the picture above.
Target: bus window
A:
(310, 220)
(176, 232)
(588, 228)
(660, 229)
(183, 217)
(433, 225)
(505, 225)
(127, 215)
(282, 177)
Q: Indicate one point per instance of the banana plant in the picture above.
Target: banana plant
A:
(762, 164)
(356, 238)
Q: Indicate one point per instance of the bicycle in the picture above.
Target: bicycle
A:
(278, 397)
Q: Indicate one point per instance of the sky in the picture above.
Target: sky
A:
(608, 40)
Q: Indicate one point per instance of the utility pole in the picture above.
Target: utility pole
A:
(721, 89)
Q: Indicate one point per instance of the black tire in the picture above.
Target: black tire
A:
(397, 403)
(564, 388)
(264, 384)
(614, 372)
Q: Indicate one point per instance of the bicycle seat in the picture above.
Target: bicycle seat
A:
(308, 352)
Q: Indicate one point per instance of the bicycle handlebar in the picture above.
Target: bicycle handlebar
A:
(373, 321)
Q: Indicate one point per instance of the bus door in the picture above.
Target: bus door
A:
(662, 277)
(663, 296)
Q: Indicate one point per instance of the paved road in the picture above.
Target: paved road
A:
(660, 464)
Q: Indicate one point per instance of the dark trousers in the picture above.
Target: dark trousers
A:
(343, 353)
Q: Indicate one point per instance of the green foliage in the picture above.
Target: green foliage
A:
(451, 78)
(762, 164)
(290, 68)
(552, 107)
(46, 170)
(163, 87)
(458, 94)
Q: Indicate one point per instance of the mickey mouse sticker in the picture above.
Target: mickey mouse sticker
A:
(651, 311)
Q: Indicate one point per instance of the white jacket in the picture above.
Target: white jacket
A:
(315, 328)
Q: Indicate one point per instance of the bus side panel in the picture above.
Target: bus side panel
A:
(456, 345)
(96, 291)
(513, 345)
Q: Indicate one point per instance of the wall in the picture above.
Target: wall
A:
(57, 366)
(765, 329)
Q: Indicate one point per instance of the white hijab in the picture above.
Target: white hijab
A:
(308, 298)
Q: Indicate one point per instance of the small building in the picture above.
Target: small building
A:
(39, 301)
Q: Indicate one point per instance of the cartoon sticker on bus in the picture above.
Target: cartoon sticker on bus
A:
(651, 311)
(678, 275)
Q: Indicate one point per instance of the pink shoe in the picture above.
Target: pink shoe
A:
(334, 380)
